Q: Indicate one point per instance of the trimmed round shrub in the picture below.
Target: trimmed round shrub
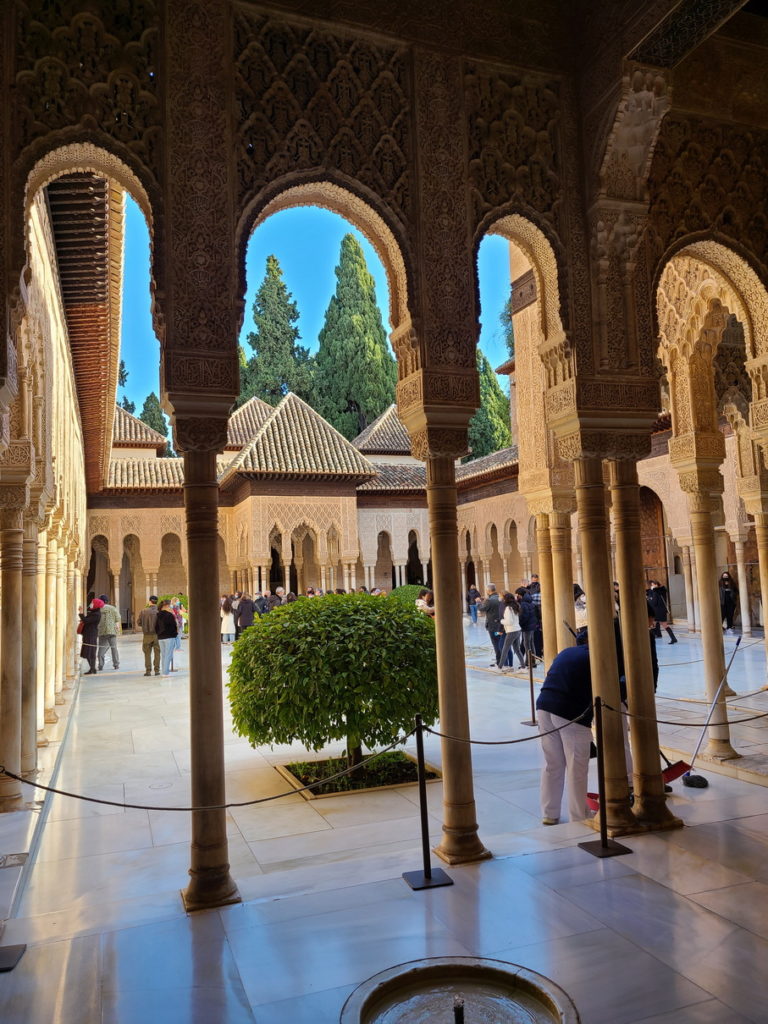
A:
(407, 594)
(341, 666)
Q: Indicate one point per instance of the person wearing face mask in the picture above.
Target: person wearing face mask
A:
(729, 597)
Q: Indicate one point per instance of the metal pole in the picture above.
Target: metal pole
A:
(604, 847)
(427, 878)
(532, 719)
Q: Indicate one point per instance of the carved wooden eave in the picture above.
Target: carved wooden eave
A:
(87, 221)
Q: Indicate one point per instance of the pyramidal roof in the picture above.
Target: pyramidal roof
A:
(385, 436)
(297, 441)
(151, 474)
(131, 432)
(245, 422)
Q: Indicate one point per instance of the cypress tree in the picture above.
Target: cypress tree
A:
(507, 325)
(128, 405)
(489, 427)
(278, 364)
(355, 371)
(152, 415)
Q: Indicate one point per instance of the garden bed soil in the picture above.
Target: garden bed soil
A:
(389, 770)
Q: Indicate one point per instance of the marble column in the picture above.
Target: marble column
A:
(544, 553)
(688, 581)
(210, 883)
(741, 571)
(40, 614)
(695, 580)
(352, 576)
(425, 573)
(62, 620)
(505, 566)
(460, 840)
(29, 649)
(71, 635)
(116, 586)
(323, 577)
(650, 807)
(52, 615)
(579, 569)
(527, 567)
(11, 627)
(703, 535)
(463, 584)
(761, 537)
(346, 577)
(598, 585)
(562, 582)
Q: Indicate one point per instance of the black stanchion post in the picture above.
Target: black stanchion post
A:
(427, 878)
(604, 847)
(532, 719)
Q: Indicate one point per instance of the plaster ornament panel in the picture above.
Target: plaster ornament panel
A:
(171, 524)
(433, 442)
(204, 371)
(191, 433)
(96, 67)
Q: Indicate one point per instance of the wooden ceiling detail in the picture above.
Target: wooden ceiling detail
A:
(87, 221)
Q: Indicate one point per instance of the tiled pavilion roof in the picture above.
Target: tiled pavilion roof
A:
(296, 441)
(245, 422)
(87, 223)
(487, 466)
(131, 432)
(150, 474)
(391, 477)
(385, 436)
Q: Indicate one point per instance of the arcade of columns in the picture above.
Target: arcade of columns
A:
(214, 114)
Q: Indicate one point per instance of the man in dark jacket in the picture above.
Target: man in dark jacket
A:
(565, 696)
(528, 620)
(492, 609)
(246, 611)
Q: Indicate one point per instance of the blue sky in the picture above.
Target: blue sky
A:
(306, 241)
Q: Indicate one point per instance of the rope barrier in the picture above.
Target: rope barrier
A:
(207, 807)
(684, 725)
(507, 743)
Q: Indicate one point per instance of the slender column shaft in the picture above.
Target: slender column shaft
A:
(695, 579)
(71, 635)
(463, 578)
(562, 583)
(741, 571)
(460, 840)
(352, 576)
(210, 881)
(650, 803)
(425, 572)
(544, 552)
(62, 621)
(40, 615)
(702, 532)
(579, 569)
(761, 536)
(598, 585)
(527, 567)
(11, 544)
(688, 580)
(52, 614)
(505, 564)
(29, 649)
(322, 577)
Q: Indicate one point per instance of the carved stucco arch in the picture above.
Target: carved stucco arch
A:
(362, 214)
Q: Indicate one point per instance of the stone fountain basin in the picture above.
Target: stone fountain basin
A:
(494, 992)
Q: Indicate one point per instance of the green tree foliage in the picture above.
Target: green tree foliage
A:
(122, 374)
(128, 406)
(505, 319)
(344, 666)
(152, 415)
(278, 364)
(356, 373)
(407, 594)
(489, 427)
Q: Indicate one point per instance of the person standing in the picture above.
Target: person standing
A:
(227, 622)
(109, 629)
(510, 621)
(90, 634)
(147, 623)
(277, 598)
(492, 609)
(473, 599)
(656, 595)
(729, 597)
(234, 600)
(534, 589)
(528, 621)
(167, 631)
(566, 695)
(246, 613)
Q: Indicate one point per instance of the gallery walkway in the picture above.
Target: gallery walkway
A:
(672, 932)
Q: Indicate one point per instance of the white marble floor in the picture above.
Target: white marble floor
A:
(675, 931)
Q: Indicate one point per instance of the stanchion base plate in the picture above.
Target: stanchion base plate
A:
(596, 848)
(529, 722)
(418, 880)
(10, 956)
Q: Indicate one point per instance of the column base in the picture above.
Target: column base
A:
(653, 814)
(42, 740)
(620, 819)
(720, 750)
(13, 802)
(460, 847)
(50, 716)
(59, 698)
(214, 887)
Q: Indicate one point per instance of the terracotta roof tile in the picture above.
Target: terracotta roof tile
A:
(297, 441)
(385, 436)
(396, 478)
(245, 422)
(506, 458)
(145, 474)
(131, 432)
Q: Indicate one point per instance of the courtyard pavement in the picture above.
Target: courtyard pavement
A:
(675, 931)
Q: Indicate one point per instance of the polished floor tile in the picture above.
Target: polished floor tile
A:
(59, 982)
(745, 905)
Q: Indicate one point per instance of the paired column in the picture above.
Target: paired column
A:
(11, 626)
(703, 535)
(29, 616)
(40, 629)
(761, 536)
(460, 840)
(741, 571)
(562, 582)
(52, 614)
(598, 585)
(688, 581)
(544, 552)
(62, 621)
(650, 807)
(210, 881)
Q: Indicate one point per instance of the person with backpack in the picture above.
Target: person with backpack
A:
(491, 607)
